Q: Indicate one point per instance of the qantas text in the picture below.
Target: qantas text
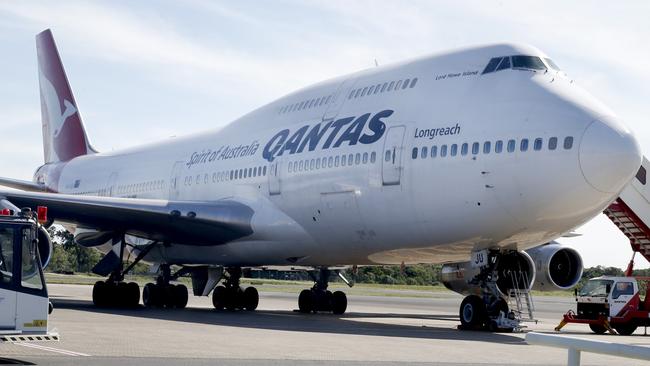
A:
(284, 142)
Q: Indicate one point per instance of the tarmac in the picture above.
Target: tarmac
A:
(376, 330)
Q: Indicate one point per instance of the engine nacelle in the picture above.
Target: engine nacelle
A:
(558, 267)
(45, 246)
(515, 270)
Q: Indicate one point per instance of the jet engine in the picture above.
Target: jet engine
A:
(515, 270)
(45, 247)
(558, 267)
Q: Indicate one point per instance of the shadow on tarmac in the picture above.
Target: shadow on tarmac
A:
(298, 322)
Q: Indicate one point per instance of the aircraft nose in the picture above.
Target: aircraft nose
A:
(609, 156)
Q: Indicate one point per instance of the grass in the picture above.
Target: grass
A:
(268, 285)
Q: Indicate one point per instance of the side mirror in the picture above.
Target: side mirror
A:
(608, 288)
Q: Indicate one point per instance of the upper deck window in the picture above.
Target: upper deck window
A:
(528, 62)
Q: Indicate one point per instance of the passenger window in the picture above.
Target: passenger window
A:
(486, 147)
(406, 84)
(443, 151)
(552, 143)
(356, 95)
(568, 142)
(399, 83)
(363, 92)
(511, 145)
(323, 161)
(329, 97)
(475, 148)
(300, 166)
(343, 160)
(390, 86)
(231, 175)
(311, 164)
(322, 100)
(250, 172)
(434, 151)
(245, 173)
(414, 153)
(365, 158)
(453, 150)
(492, 65)
(523, 146)
(357, 158)
(387, 155)
(373, 157)
(377, 88)
(505, 64)
(423, 153)
(463, 149)
(330, 162)
(537, 145)
(498, 146)
(336, 161)
(371, 89)
(317, 163)
(413, 82)
(383, 87)
(214, 177)
(350, 157)
(264, 171)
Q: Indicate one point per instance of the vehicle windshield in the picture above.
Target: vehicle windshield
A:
(595, 288)
(31, 274)
(6, 255)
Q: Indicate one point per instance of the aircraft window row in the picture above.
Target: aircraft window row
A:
(510, 146)
(332, 162)
(226, 175)
(519, 62)
(140, 187)
(306, 104)
(385, 87)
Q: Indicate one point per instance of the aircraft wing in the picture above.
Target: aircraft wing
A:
(22, 184)
(185, 222)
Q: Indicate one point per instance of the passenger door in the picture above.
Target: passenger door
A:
(175, 180)
(391, 167)
(275, 177)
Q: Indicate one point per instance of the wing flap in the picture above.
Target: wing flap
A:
(184, 222)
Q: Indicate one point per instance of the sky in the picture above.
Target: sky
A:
(148, 70)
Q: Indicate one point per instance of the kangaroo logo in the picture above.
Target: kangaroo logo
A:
(56, 117)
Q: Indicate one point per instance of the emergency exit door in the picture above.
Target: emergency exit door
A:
(391, 168)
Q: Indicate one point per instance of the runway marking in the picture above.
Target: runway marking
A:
(52, 349)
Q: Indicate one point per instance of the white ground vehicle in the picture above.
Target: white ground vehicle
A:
(24, 304)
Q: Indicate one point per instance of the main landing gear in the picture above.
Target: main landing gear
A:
(318, 298)
(231, 296)
(164, 294)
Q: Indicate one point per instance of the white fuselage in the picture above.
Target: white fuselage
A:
(383, 205)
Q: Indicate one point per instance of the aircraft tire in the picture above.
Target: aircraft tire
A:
(219, 297)
(133, 291)
(251, 298)
(473, 314)
(306, 301)
(180, 296)
(99, 293)
(151, 295)
(339, 302)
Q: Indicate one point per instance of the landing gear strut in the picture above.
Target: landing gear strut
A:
(164, 294)
(318, 298)
(114, 291)
(231, 296)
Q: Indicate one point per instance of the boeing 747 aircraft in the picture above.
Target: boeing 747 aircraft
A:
(476, 158)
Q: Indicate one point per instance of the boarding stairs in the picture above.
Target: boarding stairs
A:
(520, 300)
(631, 212)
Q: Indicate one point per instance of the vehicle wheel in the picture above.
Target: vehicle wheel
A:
(133, 291)
(626, 329)
(251, 298)
(305, 301)
(234, 299)
(99, 293)
(597, 328)
(180, 296)
(151, 295)
(339, 302)
(472, 312)
(219, 297)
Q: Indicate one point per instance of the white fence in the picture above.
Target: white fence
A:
(577, 345)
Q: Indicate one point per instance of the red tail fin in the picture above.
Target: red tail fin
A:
(64, 136)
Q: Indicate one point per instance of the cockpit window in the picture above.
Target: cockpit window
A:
(505, 64)
(528, 62)
(492, 65)
(552, 64)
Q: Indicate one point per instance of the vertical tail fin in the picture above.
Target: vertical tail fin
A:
(64, 136)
